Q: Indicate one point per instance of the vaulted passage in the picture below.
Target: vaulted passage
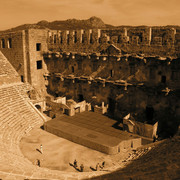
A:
(38, 107)
(80, 98)
(112, 104)
(149, 113)
(163, 79)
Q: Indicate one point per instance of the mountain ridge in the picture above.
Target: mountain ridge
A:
(69, 24)
(75, 24)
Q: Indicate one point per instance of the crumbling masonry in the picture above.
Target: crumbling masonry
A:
(133, 70)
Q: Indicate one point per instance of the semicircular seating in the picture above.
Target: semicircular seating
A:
(17, 118)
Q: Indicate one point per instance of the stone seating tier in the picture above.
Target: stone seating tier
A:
(8, 74)
(17, 118)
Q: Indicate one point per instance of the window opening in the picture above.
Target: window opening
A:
(39, 64)
(2, 43)
(9, 43)
(38, 46)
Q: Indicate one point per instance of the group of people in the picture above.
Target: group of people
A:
(76, 166)
(98, 166)
(41, 151)
(81, 168)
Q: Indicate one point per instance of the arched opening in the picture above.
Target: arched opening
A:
(149, 113)
(125, 127)
(140, 38)
(75, 37)
(22, 78)
(112, 104)
(38, 107)
(80, 98)
(131, 144)
(91, 39)
(112, 72)
(56, 95)
(163, 79)
(72, 69)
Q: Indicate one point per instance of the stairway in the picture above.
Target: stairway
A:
(95, 73)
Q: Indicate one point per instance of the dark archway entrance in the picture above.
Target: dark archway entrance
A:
(112, 105)
(163, 79)
(149, 113)
(72, 69)
(80, 98)
(38, 107)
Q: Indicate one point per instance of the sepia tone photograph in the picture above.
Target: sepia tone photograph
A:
(89, 90)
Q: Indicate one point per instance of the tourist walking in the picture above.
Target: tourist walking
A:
(38, 162)
(41, 149)
(97, 167)
(103, 164)
(75, 163)
(82, 168)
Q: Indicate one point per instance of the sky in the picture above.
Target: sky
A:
(115, 12)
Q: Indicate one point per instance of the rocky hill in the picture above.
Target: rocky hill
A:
(72, 24)
(93, 22)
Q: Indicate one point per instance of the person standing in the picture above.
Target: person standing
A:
(97, 167)
(38, 162)
(103, 164)
(75, 163)
(82, 168)
(41, 149)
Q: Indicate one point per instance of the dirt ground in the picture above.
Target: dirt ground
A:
(59, 152)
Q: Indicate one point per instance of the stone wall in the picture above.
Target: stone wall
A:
(135, 99)
(149, 40)
(21, 50)
(74, 40)
(128, 83)
(15, 51)
(152, 71)
(143, 86)
(36, 42)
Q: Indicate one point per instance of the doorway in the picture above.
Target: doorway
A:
(38, 107)
(72, 69)
(149, 113)
(112, 104)
(163, 79)
(80, 98)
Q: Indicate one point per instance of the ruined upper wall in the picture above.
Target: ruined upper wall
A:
(12, 45)
(24, 50)
(151, 70)
(159, 41)
(147, 40)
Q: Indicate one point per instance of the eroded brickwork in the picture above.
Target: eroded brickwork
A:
(146, 87)
(150, 40)
(36, 42)
(119, 67)
(15, 52)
